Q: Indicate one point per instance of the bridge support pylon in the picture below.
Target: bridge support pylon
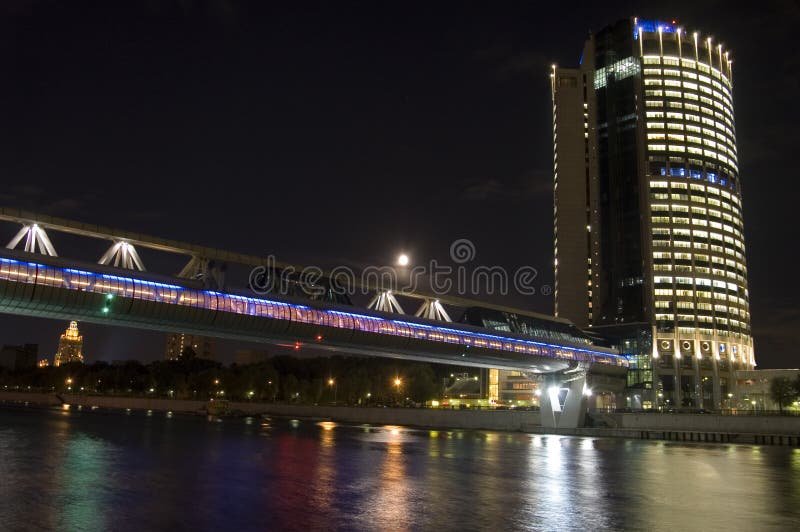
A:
(564, 401)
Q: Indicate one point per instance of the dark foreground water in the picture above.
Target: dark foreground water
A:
(111, 471)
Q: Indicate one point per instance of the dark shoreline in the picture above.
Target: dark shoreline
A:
(668, 427)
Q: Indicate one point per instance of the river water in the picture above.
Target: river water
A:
(83, 470)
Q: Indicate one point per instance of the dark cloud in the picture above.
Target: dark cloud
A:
(37, 199)
(523, 188)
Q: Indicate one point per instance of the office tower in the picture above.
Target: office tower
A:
(649, 244)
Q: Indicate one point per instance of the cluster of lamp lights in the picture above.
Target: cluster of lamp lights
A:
(135, 289)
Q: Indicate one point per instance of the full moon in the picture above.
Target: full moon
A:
(402, 260)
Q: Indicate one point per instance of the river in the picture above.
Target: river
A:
(95, 470)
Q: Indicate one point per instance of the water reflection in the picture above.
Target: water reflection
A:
(71, 470)
(391, 499)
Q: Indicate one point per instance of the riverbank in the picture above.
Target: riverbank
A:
(772, 430)
(500, 420)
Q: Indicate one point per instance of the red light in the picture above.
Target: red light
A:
(674, 21)
(319, 338)
(297, 345)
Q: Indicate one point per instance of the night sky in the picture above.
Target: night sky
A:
(349, 132)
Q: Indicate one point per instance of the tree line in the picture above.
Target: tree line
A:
(345, 380)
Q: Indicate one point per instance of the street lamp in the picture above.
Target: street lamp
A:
(403, 260)
(332, 383)
(397, 383)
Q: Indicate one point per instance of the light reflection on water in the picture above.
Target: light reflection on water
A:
(70, 470)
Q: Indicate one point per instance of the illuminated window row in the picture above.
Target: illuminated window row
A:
(723, 126)
(690, 91)
(698, 66)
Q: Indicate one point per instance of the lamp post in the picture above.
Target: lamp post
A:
(332, 382)
(397, 383)
(274, 391)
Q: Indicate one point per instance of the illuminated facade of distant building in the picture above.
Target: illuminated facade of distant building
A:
(70, 346)
(178, 342)
(648, 233)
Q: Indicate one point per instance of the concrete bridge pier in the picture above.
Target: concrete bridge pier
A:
(564, 401)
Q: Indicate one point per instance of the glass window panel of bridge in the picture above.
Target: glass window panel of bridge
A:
(454, 338)
(402, 330)
(387, 327)
(321, 317)
(145, 291)
(300, 315)
(363, 324)
(8, 270)
(167, 294)
(421, 332)
(341, 321)
(79, 280)
(17, 271)
(50, 277)
(276, 310)
(232, 304)
(128, 287)
(212, 300)
(435, 335)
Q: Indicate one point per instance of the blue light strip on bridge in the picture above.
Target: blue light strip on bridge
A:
(278, 310)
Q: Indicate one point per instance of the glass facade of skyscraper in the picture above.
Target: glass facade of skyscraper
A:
(663, 242)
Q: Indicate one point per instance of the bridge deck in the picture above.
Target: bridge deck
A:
(38, 288)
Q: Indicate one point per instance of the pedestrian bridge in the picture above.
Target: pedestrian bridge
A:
(42, 287)
(35, 281)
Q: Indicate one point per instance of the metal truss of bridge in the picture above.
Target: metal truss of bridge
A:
(117, 291)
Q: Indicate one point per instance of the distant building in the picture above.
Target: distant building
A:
(752, 388)
(244, 357)
(43, 363)
(70, 346)
(178, 342)
(19, 356)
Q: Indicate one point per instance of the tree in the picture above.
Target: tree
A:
(782, 391)
(422, 385)
(188, 353)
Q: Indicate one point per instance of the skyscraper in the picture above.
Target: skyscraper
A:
(648, 234)
(70, 346)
